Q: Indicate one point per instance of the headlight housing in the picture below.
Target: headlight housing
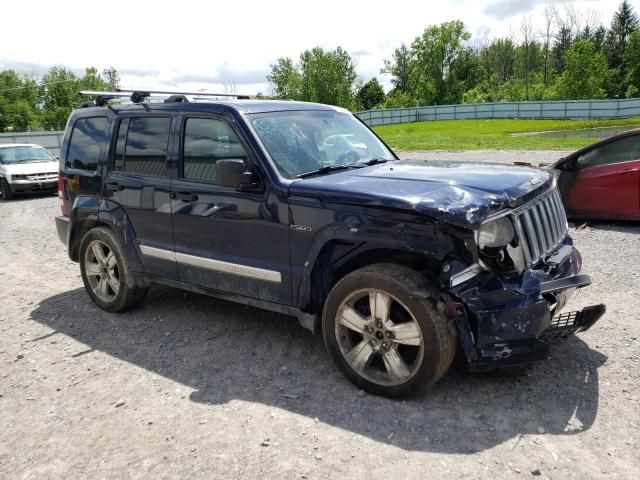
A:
(496, 233)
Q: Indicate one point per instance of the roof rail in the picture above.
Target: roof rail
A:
(138, 96)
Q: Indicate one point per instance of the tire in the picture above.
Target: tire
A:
(406, 349)
(106, 275)
(7, 193)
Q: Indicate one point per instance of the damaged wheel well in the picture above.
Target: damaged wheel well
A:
(337, 259)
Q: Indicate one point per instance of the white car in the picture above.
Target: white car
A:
(25, 168)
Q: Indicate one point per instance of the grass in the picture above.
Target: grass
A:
(490, 134)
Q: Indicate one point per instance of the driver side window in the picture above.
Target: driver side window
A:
(207, 140)
(623, 150)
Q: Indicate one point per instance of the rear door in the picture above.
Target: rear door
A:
(225, 239)
(138, 181)
(607, 181)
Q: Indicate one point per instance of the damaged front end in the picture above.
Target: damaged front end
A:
(507, 307)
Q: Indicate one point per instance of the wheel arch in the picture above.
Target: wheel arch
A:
(337, 258)
(92, 212)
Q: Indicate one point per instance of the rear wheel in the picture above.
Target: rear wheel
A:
(5, 189)
(382, 336)
(105, 273)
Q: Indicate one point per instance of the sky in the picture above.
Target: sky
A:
(189, 45)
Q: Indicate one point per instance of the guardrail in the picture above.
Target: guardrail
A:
(565, 109)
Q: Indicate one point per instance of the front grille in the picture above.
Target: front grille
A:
(42, 177)
(542, 225)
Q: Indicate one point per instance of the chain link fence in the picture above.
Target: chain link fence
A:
(566, 109)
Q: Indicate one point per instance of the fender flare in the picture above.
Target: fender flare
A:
(89, 212)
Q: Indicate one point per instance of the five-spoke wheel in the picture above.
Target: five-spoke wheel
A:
(379, 337)
(106, 274)
(384, 331)
(101, 268)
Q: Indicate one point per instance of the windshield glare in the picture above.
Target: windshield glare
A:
(24, 154)
(304, 141)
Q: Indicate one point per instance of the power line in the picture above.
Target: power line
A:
(37, 85)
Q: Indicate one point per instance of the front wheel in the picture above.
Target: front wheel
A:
(5, 189)
(383, 337)
(106, 274)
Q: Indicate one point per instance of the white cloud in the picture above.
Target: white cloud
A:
(191, 44)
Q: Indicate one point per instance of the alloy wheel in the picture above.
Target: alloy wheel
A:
(379, 337)
(101, 270)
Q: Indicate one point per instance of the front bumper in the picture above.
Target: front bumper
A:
(511, 320)
(22, 186)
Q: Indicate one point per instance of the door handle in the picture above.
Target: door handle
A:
(114, 187)
(184, 196)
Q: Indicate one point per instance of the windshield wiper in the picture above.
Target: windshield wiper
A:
(323, 170)
(374, 161)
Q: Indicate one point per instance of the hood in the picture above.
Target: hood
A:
(459, 192)
(31, 168)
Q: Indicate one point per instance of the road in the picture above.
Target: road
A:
(188, 386)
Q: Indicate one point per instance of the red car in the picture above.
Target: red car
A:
(602, 181)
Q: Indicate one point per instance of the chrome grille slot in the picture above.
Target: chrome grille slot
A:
(542, 225)
(42, 177)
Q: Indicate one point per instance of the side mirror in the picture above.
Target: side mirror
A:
(233, 173)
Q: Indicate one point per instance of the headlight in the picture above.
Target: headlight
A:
(18, 177)
(496, 233)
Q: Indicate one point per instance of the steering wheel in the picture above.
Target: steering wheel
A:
(348, 155)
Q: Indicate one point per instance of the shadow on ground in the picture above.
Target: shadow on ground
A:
(225, 352)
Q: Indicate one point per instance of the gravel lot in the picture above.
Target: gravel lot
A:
(190, 386)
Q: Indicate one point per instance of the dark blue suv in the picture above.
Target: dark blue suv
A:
(299, 208)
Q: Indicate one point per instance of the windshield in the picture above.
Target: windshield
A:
(305, 141)
(24, 154)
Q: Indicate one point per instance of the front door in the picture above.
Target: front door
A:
(139, 182)
(225, 239)
(607, 181)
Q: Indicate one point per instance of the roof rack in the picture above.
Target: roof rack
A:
(138, 96)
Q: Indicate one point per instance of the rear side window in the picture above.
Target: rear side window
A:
(141, 146)
(625, 149)
(85, 144)
(207, 140)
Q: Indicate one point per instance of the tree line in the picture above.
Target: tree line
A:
(569, 56)
(28, 104)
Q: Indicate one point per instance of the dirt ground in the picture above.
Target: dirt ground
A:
(193, 387)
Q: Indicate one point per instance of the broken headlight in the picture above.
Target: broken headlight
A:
(496, 233)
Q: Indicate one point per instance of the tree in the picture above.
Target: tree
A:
(632, 60)
(624, 22)
(112, 77)
(328, 77)
(18, 101)
(286, 79)
(59, 89)
(586, 72)
(435, 52)
(371, 94)
(399, 67)
(527, 36)
(320, 76)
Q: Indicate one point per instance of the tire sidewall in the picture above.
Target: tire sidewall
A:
(420, 306)
(106, 237)
(7, 193)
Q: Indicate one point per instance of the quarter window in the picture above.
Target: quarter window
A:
(207, 140)
(85, 143)
(141, 146)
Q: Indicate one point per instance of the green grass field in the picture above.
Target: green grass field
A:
(490, 134)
